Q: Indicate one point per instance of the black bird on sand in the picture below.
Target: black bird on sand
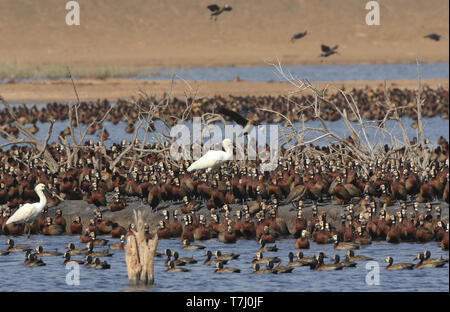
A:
(216, 10)
(327, 51)
(298, 36)
(433, 36)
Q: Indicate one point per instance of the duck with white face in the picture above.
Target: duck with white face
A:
(268, 269)
(188, 246)
(67, 259)
(40, 252)
(344, 245)
(222, 269)
(32, 260)
(259, 258)
(350, 255)
(172, 268)
(398, 266)
(346, 263)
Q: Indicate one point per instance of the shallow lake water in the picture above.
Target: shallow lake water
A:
(310, 72)
(434, 128)
(201, 278)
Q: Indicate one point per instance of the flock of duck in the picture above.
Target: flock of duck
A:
(436, 104)
(392, 201)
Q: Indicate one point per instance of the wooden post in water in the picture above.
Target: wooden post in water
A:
(140, 253)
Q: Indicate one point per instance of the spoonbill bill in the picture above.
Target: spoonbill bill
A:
(213, 159)
(29, 212)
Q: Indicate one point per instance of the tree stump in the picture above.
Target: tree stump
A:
(139, 254)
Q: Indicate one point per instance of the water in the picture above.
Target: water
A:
(310, 72)
(201, 278)
(434, 128)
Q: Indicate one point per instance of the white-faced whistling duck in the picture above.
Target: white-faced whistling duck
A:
(201, 232)
(346, 263)
(228, 236)
(118, 246)
(296, 262)
(302, 242)
(280, 269)
(222, 269)
(188, 246)
(76, 227)
(59, 220)
(33, 260)
(398, 266)
(68, 260)
(75, 251)
(12, 248)
(52, 229)
(259, 258)
(350, 255)
(97, 241)
(173, 268)
(92, 253)
(230, 256)
(427, 263)
(427, 255)
(209, 261)
(187, 260)
(268, 269)
(319, 265)
(344, 245)
(40, 252)
(265, 248)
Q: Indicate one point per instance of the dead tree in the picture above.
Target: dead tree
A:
(361, 146)
(41, 148)
(140, 253)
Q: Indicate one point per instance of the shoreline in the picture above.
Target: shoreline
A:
(42, 92)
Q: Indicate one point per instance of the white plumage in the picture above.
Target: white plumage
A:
(27, 213)
(213, 159)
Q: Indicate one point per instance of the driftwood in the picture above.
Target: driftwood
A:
(140, 253)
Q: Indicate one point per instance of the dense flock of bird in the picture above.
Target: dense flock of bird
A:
(213, 198)
(370, 103)
(391, 201)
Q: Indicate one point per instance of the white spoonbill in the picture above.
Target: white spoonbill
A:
(29, 212)
(213, 159)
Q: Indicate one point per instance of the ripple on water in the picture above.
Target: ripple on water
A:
(201, 278)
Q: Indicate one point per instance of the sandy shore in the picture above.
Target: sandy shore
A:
(112, 89)
(124, 36)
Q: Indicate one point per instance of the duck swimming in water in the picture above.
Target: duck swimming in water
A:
(398, 266)
(222, 269)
